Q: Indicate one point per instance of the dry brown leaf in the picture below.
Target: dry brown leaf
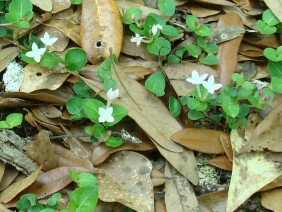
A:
(41, 151)
(216, 2)
(200, 11)
(62, 42)
(226, 144)
(221, 162)
(250, 50)
(276, 7)
(45, 5)
(127, 180)
(59, 5)
(102, 152)
(160, 206)
(179, 194)
(272, 199)
(100, 20)
(183, 161)
(177, 74)
(201, 140)
(251, 171)
(225, 33)
(37, 77)
(70, 29)
(227, 52)
(2, 170)
(4, 209)
(14, 189)
(216, 201)
(7, 55)
(267, 135)
(65, 157)
(50, 111)
(157, 178)
(263, 40)
(274, 184)
(10, 173)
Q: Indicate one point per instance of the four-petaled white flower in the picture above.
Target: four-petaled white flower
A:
(155, 28)
(196, 79)
(137, 39)
(210, 85)
(111, 95)
(36, 52)
(47, 40)
(105, 114)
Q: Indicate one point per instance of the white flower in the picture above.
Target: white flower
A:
(106, 114)
(211, 86)
(137, 39)
(196, 79)
(155, 28)
(35, 52)
(111, 95)
(13, 77)
(47, 40)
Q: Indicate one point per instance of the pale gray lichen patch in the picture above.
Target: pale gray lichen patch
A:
(13, 77)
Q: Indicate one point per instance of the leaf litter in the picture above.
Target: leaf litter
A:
(125, 174)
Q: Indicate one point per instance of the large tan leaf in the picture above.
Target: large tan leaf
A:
(201, 140)
(14, 189)
(267, 134)
(101, 29)
(179, 194)
(127, 180)
(7, 55)
(216, 201)
(227, 52)
(45, 5)
(272, 199)
(251, 171)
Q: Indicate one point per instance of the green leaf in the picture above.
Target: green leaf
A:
(127, 17)
(134, 28)
(269, 18)
(84, 199)
(50, 60)
(4, 125)
(276, 83)
(74, 106)
(81, 89)
(119, 112)
(270, 54)
(109, 83)
(156, 83)
(238, 78)
(275, 68)
(99, 131)
(210, 59)
(231, 110)
(248, 85)
(174, 106)
(85, 179)
(195, 104)
(14, 119)
(203, 30)
(75, 59)
(167, 7)
(264, 29)
(104, 70)
(160, 46)
(195, 115)
(170, 31)
(20, 12)
(244, 110)
(114, 141)
(173, 59)
(26, 201)
(52, 201)
(91, 107)
(193, 50)
(190, 21)
(201, 42)
(211, 48)
(76, 2)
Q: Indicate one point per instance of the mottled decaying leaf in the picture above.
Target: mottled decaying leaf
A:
(251, 171)
(179, 194)
(7, 55)
(178, 73)
(216, 201)
(228, 51)
(59, 5)
(267, 134)
(96, 34)
(127, 180)
(201, 140)
(221, 162)
(41, 151)
(10, 173)
(272, 199)
(225, 33)
(14, 189)
(45, 5)
(37, 77)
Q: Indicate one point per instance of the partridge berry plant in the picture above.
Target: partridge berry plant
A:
(233, 103)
